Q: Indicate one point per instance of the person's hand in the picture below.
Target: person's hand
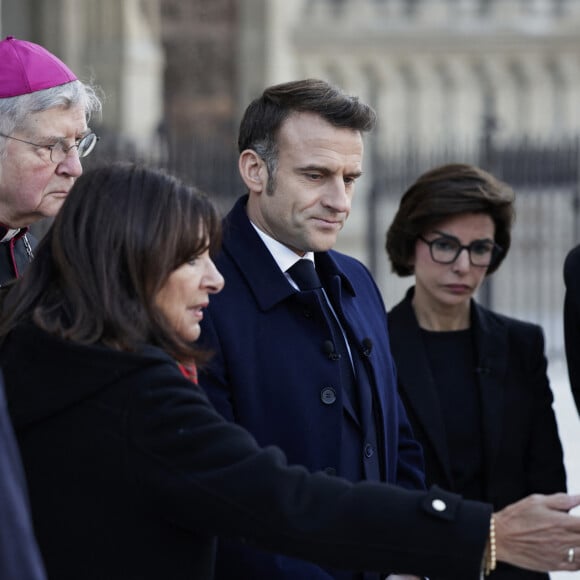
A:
(538, 533)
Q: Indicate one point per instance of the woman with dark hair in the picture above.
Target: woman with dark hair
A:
(131, 470)
(474, 382)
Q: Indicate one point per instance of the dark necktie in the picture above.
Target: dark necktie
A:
(304, 275)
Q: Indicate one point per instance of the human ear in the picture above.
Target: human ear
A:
(253, 171)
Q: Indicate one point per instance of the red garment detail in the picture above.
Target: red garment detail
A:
(189, 372)
(13, 257)
(11, 243)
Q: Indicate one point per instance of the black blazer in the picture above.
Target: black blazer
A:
(522, 449)
(572, 320)
(132, 473)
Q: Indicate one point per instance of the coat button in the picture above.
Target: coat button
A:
(438, 505)
(369, 451)
(328, 395)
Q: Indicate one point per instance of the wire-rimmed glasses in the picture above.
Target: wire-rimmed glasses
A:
(59, 151)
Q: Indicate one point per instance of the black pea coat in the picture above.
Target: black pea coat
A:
(132, 473)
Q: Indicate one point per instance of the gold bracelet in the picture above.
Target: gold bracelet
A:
(491, 555)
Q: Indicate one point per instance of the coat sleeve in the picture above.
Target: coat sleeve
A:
(208, 475)
(233, 557)
(232, 553)
(545, 458)
(572, 320)
(19, 553)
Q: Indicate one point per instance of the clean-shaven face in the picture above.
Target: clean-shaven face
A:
(317, 167)
(31, 186)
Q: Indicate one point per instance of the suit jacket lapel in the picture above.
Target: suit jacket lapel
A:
(415, 378)
(257, 265)
(262, 274)
(333, 282)
(255, 262)
(491, 343)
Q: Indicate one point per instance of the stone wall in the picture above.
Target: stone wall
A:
(113, 44)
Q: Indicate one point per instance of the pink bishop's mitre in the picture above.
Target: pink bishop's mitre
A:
(26, 67)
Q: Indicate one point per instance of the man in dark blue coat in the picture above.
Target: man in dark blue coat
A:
(310, 371)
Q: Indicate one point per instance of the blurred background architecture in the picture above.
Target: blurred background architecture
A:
(492, 82)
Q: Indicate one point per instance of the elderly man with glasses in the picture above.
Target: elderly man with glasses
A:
(44, 111)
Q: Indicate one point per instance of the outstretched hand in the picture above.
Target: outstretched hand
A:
(538, 533)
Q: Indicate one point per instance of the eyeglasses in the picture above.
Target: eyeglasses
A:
(59, 151)
(446, 249)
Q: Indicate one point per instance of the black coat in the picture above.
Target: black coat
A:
(572, 320)
(19, 554)
(522, 450)
(131, 473)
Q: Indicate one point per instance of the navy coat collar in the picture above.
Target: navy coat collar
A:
(268, 283)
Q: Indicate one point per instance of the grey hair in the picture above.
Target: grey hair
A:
(14, 111)
(267, 149)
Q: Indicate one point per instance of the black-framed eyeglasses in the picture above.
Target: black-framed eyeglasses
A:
(59, 151)
(446, 249)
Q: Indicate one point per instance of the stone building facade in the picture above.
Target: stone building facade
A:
(445, 76)
(440, 74)
(432, 68)
(116, 45)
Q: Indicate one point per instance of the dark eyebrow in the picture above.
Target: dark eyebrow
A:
(318, 168)
(443, 234)
(325, 170)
